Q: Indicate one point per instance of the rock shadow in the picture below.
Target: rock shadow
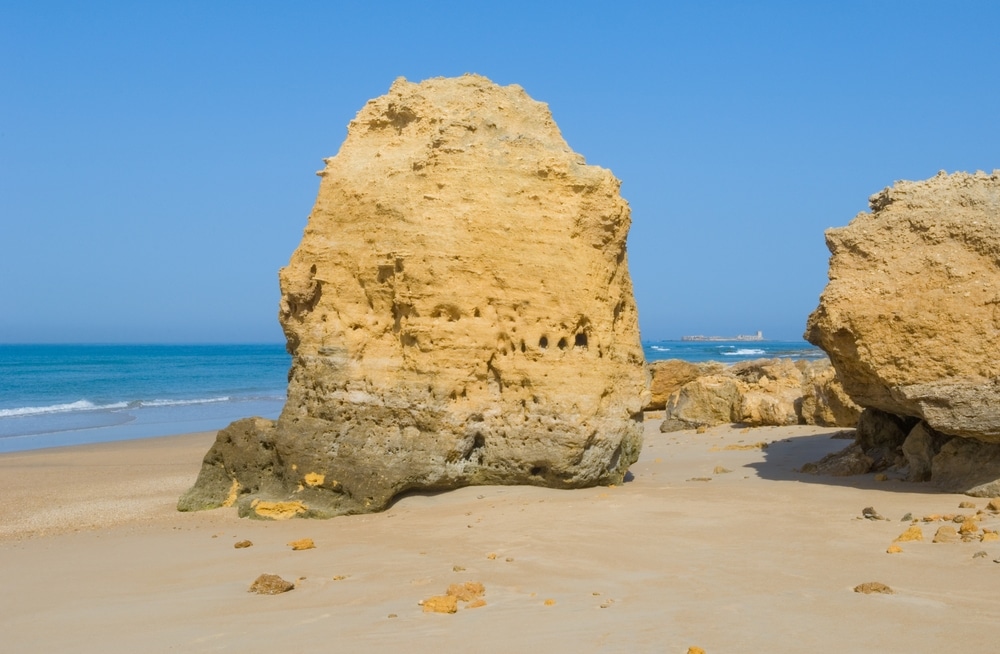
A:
(784, 458)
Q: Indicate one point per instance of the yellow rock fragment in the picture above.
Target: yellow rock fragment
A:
(720, 470)
(933, 517)
(468, 591)
(314, 479)
(994, 504)
(966, 505)
(441, 604)
(476, 603)
(234, 491)
(870, 587)
(969, 526)
(278, 510)
(302, 544)
(913, 533)
(989, 536)
(695, 650)
(894, 549)
(550, 602)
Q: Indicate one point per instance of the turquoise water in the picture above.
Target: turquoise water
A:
(730, 351)
(53, 395)
(70, 394)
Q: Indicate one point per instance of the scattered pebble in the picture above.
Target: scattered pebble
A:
(981, 554)
(906, 518)
(242, 544)
(392, 615)
(989, 536)
(457, 568)
(440, 604)
(871, 514)
(994, 504)
(870, 587)
(719, 470)
(270, 585)
(509, 559)
(700, 479)
(339, 577)
(894, 549)
(966, 505)
(302, 544)
(550, 602)
(695, 650)
(491, 556)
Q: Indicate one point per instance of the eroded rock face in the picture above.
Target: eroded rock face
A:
(459, 312)
(910, 316)
(910, 320)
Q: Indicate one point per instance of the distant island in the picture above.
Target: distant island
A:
(759, 336)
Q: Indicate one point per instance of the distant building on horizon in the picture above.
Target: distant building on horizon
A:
(759, 336)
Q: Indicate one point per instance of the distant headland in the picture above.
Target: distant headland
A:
(759, 336)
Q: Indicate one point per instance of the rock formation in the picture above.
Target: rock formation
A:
(757, 393)
(911, 322)
(459, 312)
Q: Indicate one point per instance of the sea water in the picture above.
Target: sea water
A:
(730, 351)
(70, 394)
(53, 395)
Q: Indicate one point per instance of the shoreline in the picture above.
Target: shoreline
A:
(762, 558)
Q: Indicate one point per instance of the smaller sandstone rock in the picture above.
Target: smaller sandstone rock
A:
(994, 504)
(870, 587)
(981, 554)
(719, 470)
(966, 505)
(695, 650)
(466, 592)
(242, 544)
(550, 602)
(989, 536)
(440, 604)
(268, 584)
(907, 517)
(913, 533)
(871, 514)
(894, 549)
(945, 534)
(969, 526)
(302, 544)
(850, 461)
(457, 568)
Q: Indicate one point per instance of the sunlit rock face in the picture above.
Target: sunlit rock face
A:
(911, 321)
(459, 312)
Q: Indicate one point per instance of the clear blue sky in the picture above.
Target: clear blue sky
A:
(157, 159)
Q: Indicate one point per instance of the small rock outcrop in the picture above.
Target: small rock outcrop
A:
(459, 312)
(759, 393)
(911, 323)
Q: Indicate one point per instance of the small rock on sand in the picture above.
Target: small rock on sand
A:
(894, 549)
(302, 544)
(966, 505)
(945, 534)
(242, 544)
(870, 587)
(871, 514)
(441, 604)
(719, 470)
(270, 585)
(913, 533)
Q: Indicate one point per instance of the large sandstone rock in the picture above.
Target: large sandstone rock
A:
(910, 320)
(459, 311)
(911, 314)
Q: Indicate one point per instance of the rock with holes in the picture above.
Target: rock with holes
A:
(459, 312)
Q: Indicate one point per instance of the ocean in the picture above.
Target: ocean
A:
(53, 395)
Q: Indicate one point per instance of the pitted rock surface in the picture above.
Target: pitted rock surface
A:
(459, 312)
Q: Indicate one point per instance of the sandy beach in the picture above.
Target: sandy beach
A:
(94, 558)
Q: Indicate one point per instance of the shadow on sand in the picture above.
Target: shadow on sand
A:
(785, 457)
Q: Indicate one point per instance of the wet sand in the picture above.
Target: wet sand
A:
(94, 558)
